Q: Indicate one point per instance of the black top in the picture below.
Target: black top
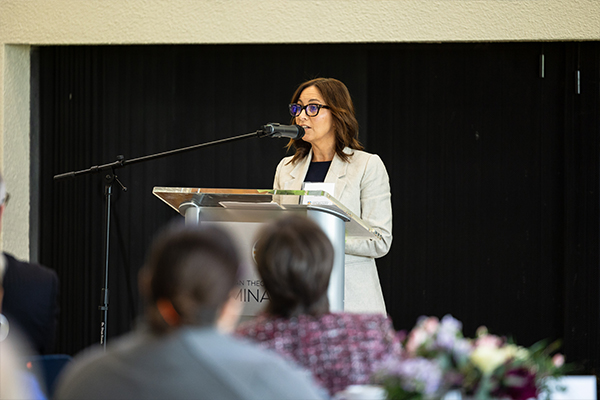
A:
(317, 171)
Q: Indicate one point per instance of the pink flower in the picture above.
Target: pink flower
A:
(431, 325)
(558, 360)
(416, 338)
(488, 341)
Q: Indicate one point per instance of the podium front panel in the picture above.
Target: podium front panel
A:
(243, 226)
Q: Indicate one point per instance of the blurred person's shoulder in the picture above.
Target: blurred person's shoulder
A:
(259, 373)
(18, 382)
(16, 269)
(364, 320)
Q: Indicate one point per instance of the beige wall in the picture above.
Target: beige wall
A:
(268, 21)
(48, 22)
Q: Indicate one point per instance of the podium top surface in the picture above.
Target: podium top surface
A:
(265, 199)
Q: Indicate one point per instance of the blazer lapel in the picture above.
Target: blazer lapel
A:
(337, 171)
(298, 173)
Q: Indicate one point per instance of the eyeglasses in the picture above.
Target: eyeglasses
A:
(312, 110)
(5, 201)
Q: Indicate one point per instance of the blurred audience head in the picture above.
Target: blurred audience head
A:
(294, 259)
(188, 277)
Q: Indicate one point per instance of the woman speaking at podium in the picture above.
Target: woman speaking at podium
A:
(330, 152)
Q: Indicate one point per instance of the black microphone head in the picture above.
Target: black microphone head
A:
(277, 130)
(300, 132)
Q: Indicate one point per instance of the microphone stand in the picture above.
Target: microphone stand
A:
(110, 177)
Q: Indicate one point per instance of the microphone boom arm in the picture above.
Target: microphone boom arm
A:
(121, 161)
(110, 177)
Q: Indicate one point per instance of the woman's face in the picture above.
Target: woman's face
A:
(318, 130)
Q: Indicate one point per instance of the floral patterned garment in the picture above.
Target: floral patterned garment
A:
(340, 349)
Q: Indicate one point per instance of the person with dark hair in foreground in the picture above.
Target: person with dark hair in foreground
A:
(294, 258)
(183, 350)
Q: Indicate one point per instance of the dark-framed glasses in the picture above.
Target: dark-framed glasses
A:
(312, 110)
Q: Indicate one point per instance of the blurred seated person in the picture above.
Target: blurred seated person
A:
(30, 296)
(16, 381)
(182, 350)
(294, 258)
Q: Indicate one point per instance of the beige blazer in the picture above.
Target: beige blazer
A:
(362, 185)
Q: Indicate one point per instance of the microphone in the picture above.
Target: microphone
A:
(277, 130)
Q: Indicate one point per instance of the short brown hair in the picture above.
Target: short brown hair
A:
(295, 259)
(194, 269)
(337, 97)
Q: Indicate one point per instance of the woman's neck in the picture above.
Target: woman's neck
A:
(320, 154)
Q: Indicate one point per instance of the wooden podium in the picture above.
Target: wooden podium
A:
(242, 212)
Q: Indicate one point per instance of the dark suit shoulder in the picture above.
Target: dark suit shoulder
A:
(22, 269)
(30, 301)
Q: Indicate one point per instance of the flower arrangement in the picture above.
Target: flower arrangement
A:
(437, 358)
